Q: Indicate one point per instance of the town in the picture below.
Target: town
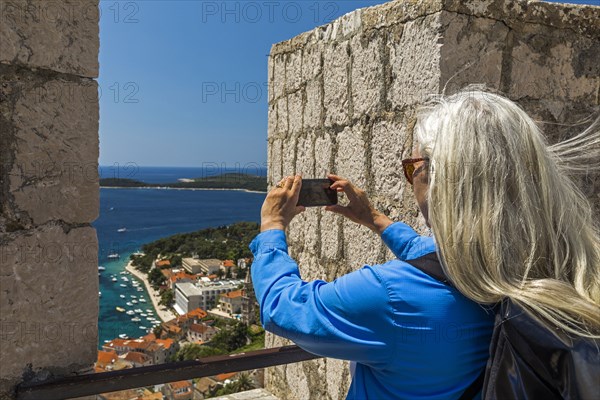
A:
(213, 312)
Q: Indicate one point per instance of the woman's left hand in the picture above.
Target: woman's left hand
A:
(279, 208)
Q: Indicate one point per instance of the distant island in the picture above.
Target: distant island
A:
(233, 180)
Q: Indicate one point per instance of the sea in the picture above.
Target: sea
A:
(148, 215)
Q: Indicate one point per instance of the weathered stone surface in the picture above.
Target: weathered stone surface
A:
(390, 143)
(275, 162)
(293, 71)
(278, 62)
(414, 61)
(281, 106)
(367, 73)
(60, 36)
(311, 62)
(335, 77)
(48, 300)
(351, 156)
(53, 164)
(295, 113)
(288, 157)
(323, 156)
(313, 105)
(472, 51)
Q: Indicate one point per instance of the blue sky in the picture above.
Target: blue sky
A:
(183, 83)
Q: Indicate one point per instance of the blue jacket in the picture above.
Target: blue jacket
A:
(411, 336)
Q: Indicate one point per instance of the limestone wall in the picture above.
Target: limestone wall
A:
(342, 98)
(48, 189)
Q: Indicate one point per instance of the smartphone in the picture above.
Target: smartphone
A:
(316, 192)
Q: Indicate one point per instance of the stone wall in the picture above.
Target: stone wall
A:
(48, 189)
(342, 99)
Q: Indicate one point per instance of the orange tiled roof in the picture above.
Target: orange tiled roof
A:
(197, 313)
(198, 328)
(136, 357)
(228, 263)
(181, 275)
(163, 263)
(222, 377)
(212, 276)
(166, 343)
(232, 295)
(107, 357)
(180, 385)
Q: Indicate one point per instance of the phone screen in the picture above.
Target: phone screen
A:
(316, 192)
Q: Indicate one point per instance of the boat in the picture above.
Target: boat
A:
(133, 296)
(122, 296)
(124, 278)
(143, 327)
(130, 312)
(149, 311)
(138, 310)
(134, 301)
(129, 304)
(123, 285)
(121, 230)
(107, 341)
(101, 268)
(142, 300)
(114, 279)
(144, 314)
(140, 289)
(120, 309)
(113, 255)
(135, 319)
(99, 294)
(123, 336)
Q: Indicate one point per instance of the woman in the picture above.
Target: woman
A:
(508, 223)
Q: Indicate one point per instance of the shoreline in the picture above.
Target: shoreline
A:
(163, 315)
(172, 188)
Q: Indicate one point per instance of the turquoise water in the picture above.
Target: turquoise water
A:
(147, 215)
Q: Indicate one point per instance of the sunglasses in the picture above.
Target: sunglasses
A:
(408, 165)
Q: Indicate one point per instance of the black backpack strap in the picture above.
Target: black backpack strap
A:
(430, 264)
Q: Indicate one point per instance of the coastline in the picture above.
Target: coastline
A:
(162, 314)
(172, 188)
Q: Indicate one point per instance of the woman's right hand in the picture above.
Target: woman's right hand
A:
(359, 209)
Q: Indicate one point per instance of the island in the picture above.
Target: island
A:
(232, 180)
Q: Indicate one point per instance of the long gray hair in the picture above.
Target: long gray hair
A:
(508, 219)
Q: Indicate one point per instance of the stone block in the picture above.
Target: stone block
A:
(293, 71)
(57, 35)
(329, 229)
(415, 60)
(367, 73)
(275, 162)
(471, 52)
(390, 144)
(323, 153)
(305, 159)
(361, 245)
(294, 101)
(288, 156)
(313, 107)
(48, 300)
(311, 62)
(281, 105)
(336, 61)
(278, 61)
(351, 155)
(52, 151)
(272, 120)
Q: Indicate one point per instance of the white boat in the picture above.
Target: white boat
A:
(144, 314)
(107, 341)
(123, 336)
(101, 268)
(113, 255)
(122, 296)
(134, 301)
(133, 296)
(125, 278)
(142, 300)
(123, 285)
(130, 312)
(136, 319)
(99, 294)
(129, 303)
(121, 230)
(149, 311)
(138, 310)
(143, 327)
(114, 279)
(140, 289)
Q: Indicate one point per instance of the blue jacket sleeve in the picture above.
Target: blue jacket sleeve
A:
(405, 243)
(346, 318)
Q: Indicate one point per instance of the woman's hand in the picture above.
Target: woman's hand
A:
(279, 208)
(359, 209)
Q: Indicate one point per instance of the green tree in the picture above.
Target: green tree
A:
(166, 298)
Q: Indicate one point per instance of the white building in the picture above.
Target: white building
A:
(189, 296)
(207, 266)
